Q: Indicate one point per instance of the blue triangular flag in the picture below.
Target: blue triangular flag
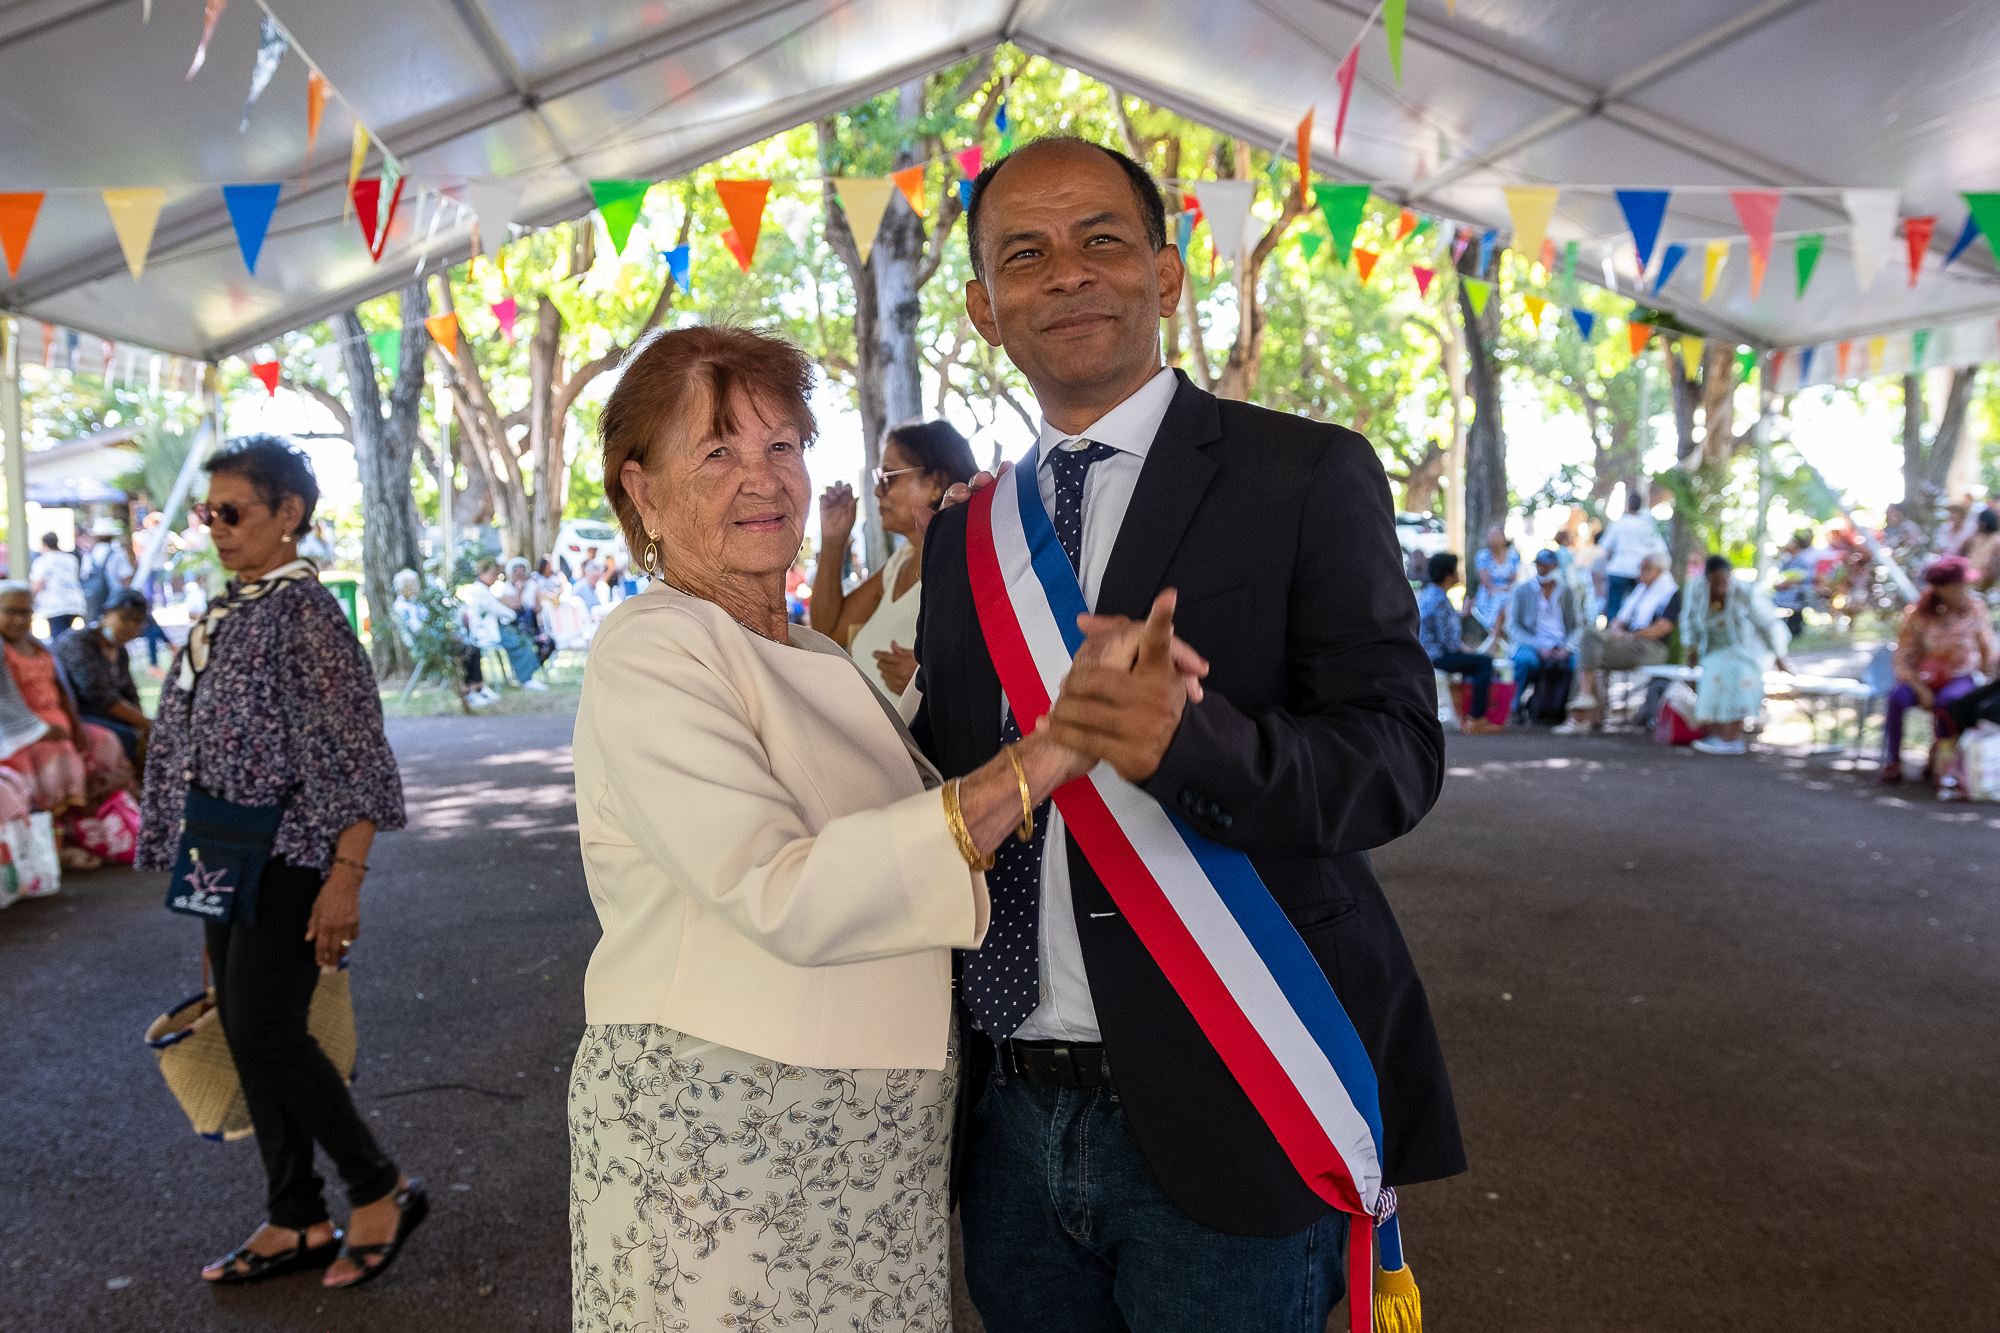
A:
(1586, 323)
(1486, 240)
(1000, 117)
(1805, 367)
(1669, 261)
(1183, 232)
(965, 195)
(1644, 211)
(250, 208)
(677, 264)
(1965, 238)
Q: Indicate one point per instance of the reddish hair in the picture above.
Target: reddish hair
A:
(681, 384)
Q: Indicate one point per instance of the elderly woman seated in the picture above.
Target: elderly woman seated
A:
(1732, 632)
(100, 672)
(1946, 636)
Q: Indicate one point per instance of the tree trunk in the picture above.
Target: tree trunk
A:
(1687, 457)
(1914, 503)
(385, 448)
(1420, 483)
(1486, 440)
(1946, 442)
(1246, 357)
(545, 450)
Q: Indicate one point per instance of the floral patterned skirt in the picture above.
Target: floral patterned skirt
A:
(714, 1189)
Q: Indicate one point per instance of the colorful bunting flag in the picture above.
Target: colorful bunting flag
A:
(388, 345)
(1423, 277)
(1758, 211)
(1342, 206)
(1344, 76)
(1309, 244)
(444, 330)
(744, 202)
(965, 195)
(1531, 207)
(1548, 254)
(1873, 213)
(1184, 232)
(494, 200)
(316, 91)
(356, 155)
(1670, 259)
(17, 220)
(250, 210)
(267, 375)
(505, 311)
(1637, 334)
(1691, 356)
(134, 214)
(1392, 28)
(210, 15)
(1305, 158)
(1841, 351)
(1364, 262)
(679, 261)
(1477, 293)
(970, 160)
(1712, 261)
(1586, 323)
(1570, 251)
(1966, 236)
(368, 207)
(1535, 306)
(1644, 211)
(1805, 365)
(1985, 208)
(1000, 121)
(1917, 233)
(1406, 222)
(1227, 204)
(864, 199)
(271, 47)
(1920, 342)
(910, 180)
(619, 203)
(564, 297)
(1876, 347)
(1806, 253)
(1486, 242)
(1776, 368)
(734, 244)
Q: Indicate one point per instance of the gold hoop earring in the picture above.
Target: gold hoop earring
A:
(652, 561)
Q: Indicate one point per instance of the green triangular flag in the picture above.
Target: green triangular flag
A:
(1986, 212)
(563, 296)
(1310, 244)
(1809, 247)
(619, 202)
(1392, 28)
(1919, 341)
(1477, 291)
(388, 345)
(1424, 223)
(1745, 363)
(1343, 206)
(1569, 268)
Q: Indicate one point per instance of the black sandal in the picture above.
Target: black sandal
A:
(415, 1206)
(297, 1259)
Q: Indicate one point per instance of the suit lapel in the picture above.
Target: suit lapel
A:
(1163, 503)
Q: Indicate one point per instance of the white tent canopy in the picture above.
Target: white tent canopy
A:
(1705, 95)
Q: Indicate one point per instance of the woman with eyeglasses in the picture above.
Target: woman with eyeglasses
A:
(272, 702)
(877, 622)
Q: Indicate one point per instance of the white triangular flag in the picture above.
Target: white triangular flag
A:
(493, 200)
(327, 358)
(796, 218)
(1873, 213)
(1227, 206)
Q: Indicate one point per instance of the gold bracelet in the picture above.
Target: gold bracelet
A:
(355, 865)
(955, 819)
(1027, 829)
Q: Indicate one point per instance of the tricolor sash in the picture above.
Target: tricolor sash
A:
(1200, 909)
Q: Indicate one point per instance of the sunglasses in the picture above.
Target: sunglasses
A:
(210, 515)
(882, 478)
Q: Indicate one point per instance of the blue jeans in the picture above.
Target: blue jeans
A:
(1475, 667)
(1066, 1227)
(520, 650)
(1617, 587)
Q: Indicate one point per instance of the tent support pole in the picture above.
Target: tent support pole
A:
(18, 545)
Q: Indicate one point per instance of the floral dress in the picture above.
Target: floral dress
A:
(713, 1189)
(1487, 602)
(1737, 643)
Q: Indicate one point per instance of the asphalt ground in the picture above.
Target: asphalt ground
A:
(1722, 1032)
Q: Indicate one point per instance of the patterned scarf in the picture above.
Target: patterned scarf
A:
(194, 658)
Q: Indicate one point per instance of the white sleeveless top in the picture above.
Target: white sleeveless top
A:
(894, 619)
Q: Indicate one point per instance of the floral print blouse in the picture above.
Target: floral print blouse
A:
(1960, 642)
(287, 711)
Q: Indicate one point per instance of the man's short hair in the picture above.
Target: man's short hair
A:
(1634, 501)
(1152, 206)
(1442, 565)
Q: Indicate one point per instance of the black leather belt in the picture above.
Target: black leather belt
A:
(1056, 1064)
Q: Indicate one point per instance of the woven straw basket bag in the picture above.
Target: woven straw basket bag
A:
(195, 1061)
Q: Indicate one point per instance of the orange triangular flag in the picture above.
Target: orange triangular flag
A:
(444, 330)
(744, 202)
(1844, 349)
(316, 91)
(1406, 222)
(1638, 333)
(17, 219)
(910, 180)
(1306, 158)
(1364, 262)
(734, 244)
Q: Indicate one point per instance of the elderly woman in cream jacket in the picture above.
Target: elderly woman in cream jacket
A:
(761, 1107)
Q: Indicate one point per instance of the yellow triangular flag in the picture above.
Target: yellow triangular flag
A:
(355, 157)
(864, 198)
(1535, 306)
(910, 180)
(1876, 346)
(1691, 356)
(134, 213)
(1711, 264)
(1531, 206)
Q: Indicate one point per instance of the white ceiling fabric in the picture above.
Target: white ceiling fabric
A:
(1704, 94)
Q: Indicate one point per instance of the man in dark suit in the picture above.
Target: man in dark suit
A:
(1115, 1176)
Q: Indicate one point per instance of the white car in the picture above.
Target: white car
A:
(579, 539)
(1421, 536)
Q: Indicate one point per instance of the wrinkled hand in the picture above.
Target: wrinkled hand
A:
(1926, 696)
(1126, 691)
(837, 508)
(336, 917)
(896, 666)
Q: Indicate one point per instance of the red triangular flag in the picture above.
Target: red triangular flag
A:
(734, 244)
(1364, 262)
(1917, 231)
(744, 202)
(1758, 210)
(1549, 253)
(267, 372)
(17, 219)
(444, 330)
(969, 161)
(1423, 277)
(1638, 334)
(1406, 222)
(368, 206)
(1345, 77)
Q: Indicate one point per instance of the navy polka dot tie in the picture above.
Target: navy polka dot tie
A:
(1002, 978)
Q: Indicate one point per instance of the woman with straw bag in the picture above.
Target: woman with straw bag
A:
(267, 778)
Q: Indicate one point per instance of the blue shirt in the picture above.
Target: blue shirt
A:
(1439, 629)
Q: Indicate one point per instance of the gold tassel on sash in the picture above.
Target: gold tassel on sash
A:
(1398, 1309)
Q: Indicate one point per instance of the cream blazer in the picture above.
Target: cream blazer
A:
(769, 867)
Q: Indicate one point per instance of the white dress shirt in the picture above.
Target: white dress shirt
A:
(1066, 1012)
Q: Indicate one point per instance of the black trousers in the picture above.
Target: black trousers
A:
(264, 980)
(474, 676)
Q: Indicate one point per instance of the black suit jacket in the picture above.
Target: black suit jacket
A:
(1317, 739)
